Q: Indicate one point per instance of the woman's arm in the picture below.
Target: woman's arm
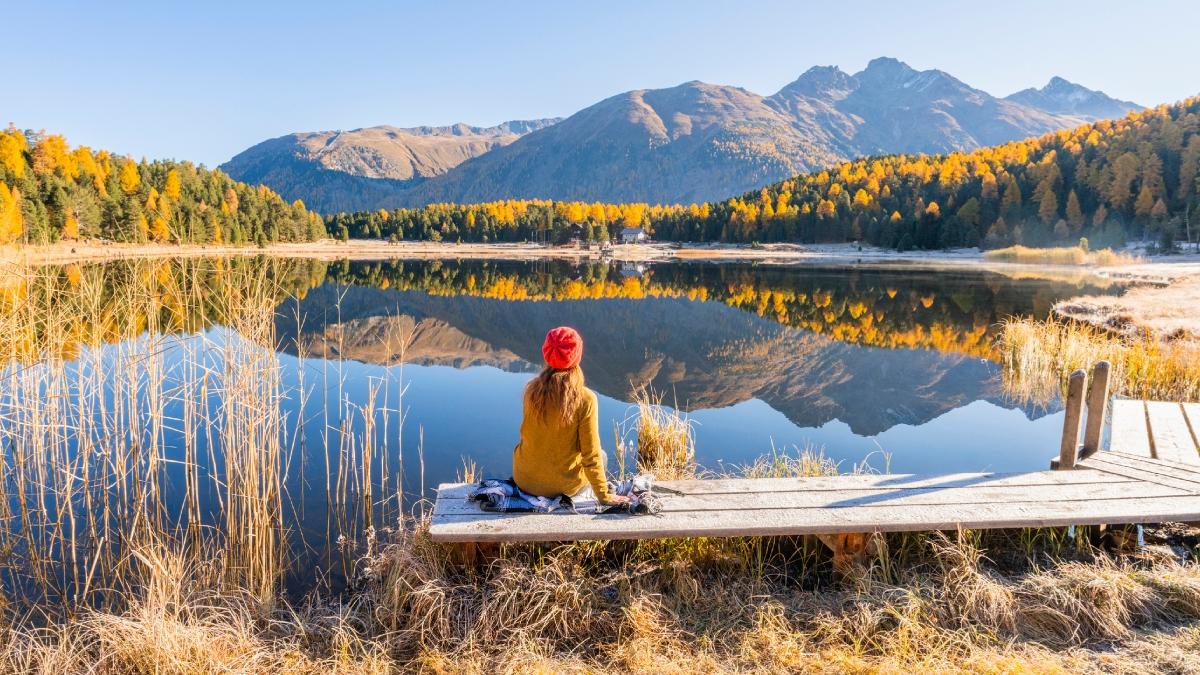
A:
(589, 449)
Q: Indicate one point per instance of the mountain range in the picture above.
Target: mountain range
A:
(688, 143)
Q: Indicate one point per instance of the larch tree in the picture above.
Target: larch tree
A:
(11, 222)
(1048, 209)
(130, 180)
(1075, 216)
(1144, 203)
(49, 154)
(70, 229)
(12, 152)
(172, 188)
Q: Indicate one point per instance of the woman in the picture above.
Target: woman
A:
(559, 453)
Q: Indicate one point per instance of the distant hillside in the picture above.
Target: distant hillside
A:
(50, 192)
(692, 142)
(1067, 98)
(1134, 177)
(337, 170)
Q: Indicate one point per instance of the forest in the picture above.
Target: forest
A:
(51, 192)
(1134, 178)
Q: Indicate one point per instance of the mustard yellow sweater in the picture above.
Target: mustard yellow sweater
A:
(554, 459)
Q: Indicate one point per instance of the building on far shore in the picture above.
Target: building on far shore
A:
(633, 235)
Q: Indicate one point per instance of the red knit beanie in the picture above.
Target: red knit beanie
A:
(563, 348)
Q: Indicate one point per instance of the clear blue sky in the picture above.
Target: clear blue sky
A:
(203, 81)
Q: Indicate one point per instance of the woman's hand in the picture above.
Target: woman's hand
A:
(617, 500)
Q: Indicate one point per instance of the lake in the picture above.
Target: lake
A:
(386, 378)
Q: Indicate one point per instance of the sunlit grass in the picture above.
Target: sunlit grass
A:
(1038, 357)
(665, 440)
(604, 609)
(1061, 255)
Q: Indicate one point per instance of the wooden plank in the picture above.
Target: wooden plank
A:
(1192, 412)
(852, 481)
(1097, 403)
(1096, 511)
(880, 499)
(889, 481)
(1169, 432)
(1129, 431)
(1068, 452)
(1188, 471)
(1144, 470)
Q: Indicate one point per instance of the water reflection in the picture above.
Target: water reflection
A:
(380, 378)
(868, 347)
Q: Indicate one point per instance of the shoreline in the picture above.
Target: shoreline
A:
(367, 249)
(1163, 288)
(1159, 268)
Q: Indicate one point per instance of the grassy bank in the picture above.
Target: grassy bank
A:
(667, 607)
(103, 572)
(1061, 255)
(1038, 356)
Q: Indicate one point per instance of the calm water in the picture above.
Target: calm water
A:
(886, 365)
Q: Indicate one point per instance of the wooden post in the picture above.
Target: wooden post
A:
(1097, 405)
(849, 549)
(1068, 452)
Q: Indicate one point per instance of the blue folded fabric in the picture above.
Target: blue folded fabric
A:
(503, 496)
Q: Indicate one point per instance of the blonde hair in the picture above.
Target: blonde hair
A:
(556, 393)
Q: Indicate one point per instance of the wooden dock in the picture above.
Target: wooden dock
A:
(1149, 473)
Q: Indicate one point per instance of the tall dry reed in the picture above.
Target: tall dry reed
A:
(665, 443)
(143, 406)
(1038, 357)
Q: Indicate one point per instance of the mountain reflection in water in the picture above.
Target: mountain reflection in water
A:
(839, 353)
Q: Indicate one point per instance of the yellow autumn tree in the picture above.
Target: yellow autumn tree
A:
(862, 199)
(70, 229)
(172, 188)
(12, 225)
(159, 231)
(50, 154)
(130, 180)
(12, 152)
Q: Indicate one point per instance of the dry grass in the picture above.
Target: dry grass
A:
(1062, 255)
(606, 609)
(664, 439)
(1038, 356)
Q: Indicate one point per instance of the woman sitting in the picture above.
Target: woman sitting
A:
(559, 452)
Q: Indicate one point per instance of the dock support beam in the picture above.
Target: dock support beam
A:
(1068, 451)
(849, 549)
(1097, 408)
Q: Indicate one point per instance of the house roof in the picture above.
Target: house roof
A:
(632, 230)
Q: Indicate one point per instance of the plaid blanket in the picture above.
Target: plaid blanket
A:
(505, 497)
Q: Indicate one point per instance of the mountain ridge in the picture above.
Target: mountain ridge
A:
(693, 142)
(343, 168)
(1063, 96)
